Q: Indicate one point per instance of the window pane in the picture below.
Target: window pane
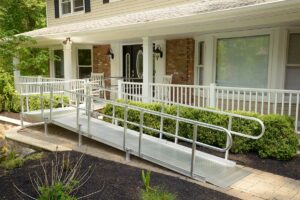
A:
(66, 6)
(59, 63)
(201, 51)
(294, 49)
(200, 75)
(85, 72)
(243, 62)
(292, 78)
(84, 57)
(78, 5)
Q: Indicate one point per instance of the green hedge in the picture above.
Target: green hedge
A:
(35, 102)
(279, 141)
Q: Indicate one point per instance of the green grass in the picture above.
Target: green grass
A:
(157, 194)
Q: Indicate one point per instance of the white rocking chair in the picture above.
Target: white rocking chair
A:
(98, 85)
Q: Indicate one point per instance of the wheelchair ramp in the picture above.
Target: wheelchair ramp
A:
(215, 170)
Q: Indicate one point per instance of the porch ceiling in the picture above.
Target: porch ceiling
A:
(188, 19)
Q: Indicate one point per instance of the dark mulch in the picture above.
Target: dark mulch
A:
(290, 168)
(10, 115)
(120, 182)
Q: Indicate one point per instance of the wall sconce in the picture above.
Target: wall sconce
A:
(68, 40)
(157, 52)
(110, 53)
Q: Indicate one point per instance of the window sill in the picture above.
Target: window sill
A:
(72, 14)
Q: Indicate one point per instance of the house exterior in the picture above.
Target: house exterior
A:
(236, 44)
(249, 43)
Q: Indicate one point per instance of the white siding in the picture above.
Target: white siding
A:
(100, 10)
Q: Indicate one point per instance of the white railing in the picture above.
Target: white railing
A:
(192, 95)
(262, 101)
(131, 91)
(30, 85)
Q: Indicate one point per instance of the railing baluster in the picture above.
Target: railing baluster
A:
(290, 104)
(297, 113)
(282, 103)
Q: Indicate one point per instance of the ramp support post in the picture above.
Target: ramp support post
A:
(22, 109)
(46, 125)
(79, 135)
(193, 150)
(127, 157)
(227, 140)
(141, 132)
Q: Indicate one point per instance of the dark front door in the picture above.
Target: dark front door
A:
(133, 63)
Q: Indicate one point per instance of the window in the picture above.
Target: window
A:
(292, 80)
(243, 61)
(200, 63)
(109, 1)
(71, 6)
(84, 63)
(78, 5)
(59, 63)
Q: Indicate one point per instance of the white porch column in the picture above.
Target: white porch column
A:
(147, 68)
(51, 64)
(67, 47)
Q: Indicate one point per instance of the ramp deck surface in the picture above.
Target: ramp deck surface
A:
(212, 169)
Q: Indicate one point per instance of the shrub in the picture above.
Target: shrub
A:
(58, 191)
(35, 102)
(279, 141)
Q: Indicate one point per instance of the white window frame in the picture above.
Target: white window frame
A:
(197, 65)
(72, 9)
(77, 58)
(249, 33)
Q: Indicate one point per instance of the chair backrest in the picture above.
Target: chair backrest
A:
(97, 78)
(167, 79)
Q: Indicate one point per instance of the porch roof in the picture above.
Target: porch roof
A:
(179, 14)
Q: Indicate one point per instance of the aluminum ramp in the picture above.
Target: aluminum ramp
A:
(215, 170)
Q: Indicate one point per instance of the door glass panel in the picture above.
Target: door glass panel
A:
(243, 62)
(59, 63)
(128, 65)
(139, 63)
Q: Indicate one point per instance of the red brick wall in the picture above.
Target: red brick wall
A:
(180, 60)
(101, 62)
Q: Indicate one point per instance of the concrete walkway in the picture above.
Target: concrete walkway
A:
(258, 185)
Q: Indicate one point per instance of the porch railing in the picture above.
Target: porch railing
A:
(262, 101)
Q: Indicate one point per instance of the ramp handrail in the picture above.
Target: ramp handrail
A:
(163, 115)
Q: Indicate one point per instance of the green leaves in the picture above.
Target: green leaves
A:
(146, 180)
(279, 141)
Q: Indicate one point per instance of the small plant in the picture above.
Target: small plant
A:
(146, 180)
(35, 156)
(60, 179)
(156, 193)
(12, 161)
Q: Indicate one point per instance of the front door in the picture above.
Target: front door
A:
(133, 63)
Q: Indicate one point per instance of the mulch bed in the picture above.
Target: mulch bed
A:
(10, 115)
(120, 182)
